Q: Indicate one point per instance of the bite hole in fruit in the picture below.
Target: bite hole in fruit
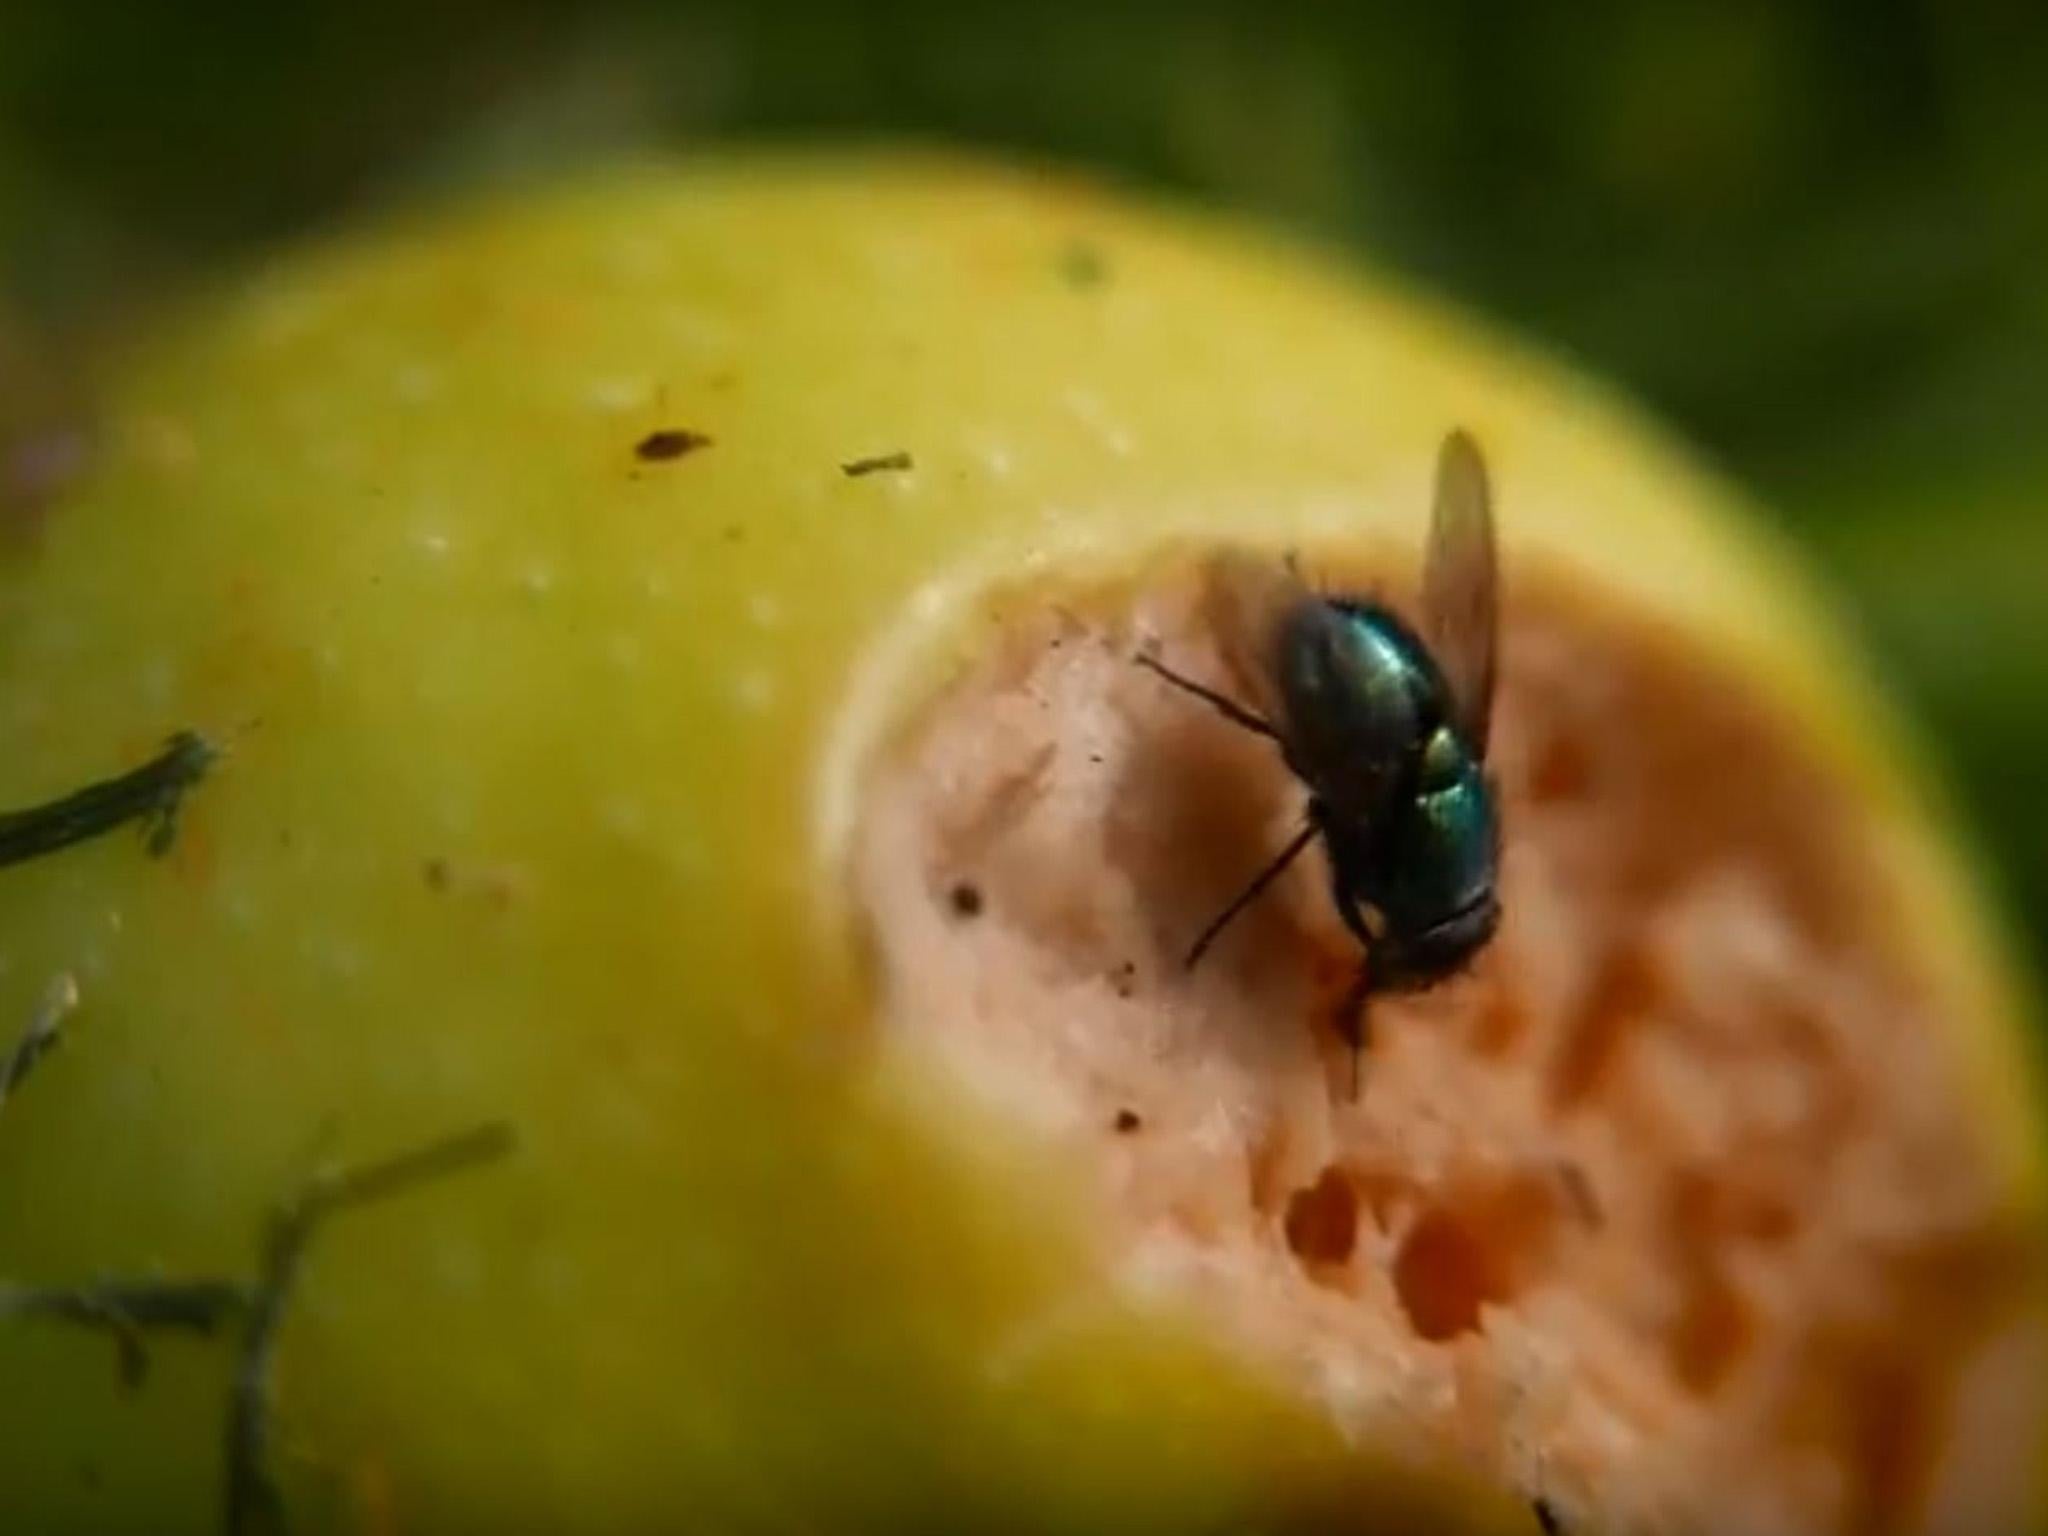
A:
(1640, 1131)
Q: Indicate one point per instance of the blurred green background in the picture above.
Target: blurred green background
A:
(1815, 236)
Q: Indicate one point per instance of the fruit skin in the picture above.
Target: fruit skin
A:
(542, 757)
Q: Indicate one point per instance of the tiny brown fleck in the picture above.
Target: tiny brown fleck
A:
(436, 873)
(965, 899)
(1127, 1121)
(667, 443)
(1083, 265)
(1578, 1190)
(34, 472)
(878, 463)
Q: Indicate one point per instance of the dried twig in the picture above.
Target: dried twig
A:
(130, 1309)
(254, 1502)
(150, 795)
(41, 1036)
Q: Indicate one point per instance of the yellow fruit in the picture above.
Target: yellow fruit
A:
(608, 608)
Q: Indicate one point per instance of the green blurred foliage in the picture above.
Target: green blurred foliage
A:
(1814, 236)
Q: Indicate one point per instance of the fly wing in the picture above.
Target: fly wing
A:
(1247, 599)
(1460, 590)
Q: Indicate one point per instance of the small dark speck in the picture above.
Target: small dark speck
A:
(1095, 757)
(732, 533)
(879, 463)
(965, 899)
(1546, 1518)
(1083, 265)
(34, 470)
(668, 443)
(1578, 1190)
(1125, 980)
(1127, 1121)
(436, 873)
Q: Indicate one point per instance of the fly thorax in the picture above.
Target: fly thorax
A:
(1350, 681)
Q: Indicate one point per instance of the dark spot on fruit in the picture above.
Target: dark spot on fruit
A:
(1714, 1331)
(1625, 991)
(1083, 265)
(1322, 1220)
(435, 872)
(965, 899)
(35, 470)
(668, 443)
(1443, 1275)
(1501, 1026)
(1127, 1121)
(1563, 771)
(1579, 1194)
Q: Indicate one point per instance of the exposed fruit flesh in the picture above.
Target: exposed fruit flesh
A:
(1673, 1211)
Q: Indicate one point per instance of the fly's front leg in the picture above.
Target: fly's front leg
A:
(1223, 704)
(1348, 863)
(1244, 898)
(1368, 926)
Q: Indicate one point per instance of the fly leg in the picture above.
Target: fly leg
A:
(1367, 925)
(1251, 892)
(1237, 715)
(1223, 704)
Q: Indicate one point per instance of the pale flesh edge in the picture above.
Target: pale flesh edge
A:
(1670, 1213)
